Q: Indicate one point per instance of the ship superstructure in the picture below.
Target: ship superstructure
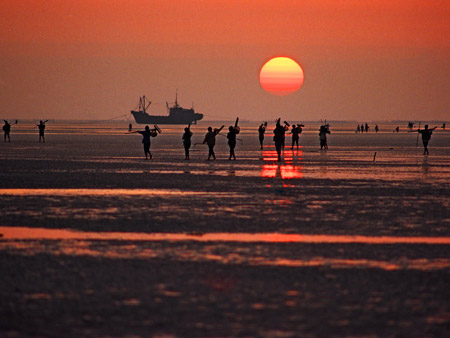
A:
(177, 114)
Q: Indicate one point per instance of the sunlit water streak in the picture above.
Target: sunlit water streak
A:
(103, 192)
(60, 234)
(115, 245)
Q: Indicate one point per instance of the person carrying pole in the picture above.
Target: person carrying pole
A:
(231, 136)
(426, 136)
(146, 134)
(210, 140)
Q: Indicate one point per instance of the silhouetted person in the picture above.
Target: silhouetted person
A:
(210, 140)
(323, 131)
(261, 131)
(231, 136)
(443, 126)
(146, 134)
(358, 128)
(376, 128)
(362, 128)
(286, 128)
(7, 130)
(41, 127)
(295, 131)
(426, 136)
(130, 127)
(396, 129)
(278, 138)
(367, 128)
(187, 141)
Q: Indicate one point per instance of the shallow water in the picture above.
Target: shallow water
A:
(225, 248)
(254, 242)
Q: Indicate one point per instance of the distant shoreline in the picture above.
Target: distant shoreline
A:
(83, 121)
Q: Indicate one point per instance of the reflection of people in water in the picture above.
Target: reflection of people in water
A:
(261, 131)
(323, 131)
(210, 140)
(41, 127)
(187, 141)
(146, 134)
(278, 138)
(426, 136)
(231, 136)
(6, 130)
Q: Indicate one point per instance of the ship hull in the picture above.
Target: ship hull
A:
(144, 118)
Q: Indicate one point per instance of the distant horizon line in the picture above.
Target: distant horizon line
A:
(228, 121)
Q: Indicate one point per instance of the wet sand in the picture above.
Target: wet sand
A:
(221, 262)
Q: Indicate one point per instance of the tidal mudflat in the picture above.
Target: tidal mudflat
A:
(96, 241)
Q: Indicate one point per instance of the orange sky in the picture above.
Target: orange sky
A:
(363, 60)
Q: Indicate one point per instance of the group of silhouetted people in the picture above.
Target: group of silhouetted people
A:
(7, 130)
(210, 138)
(279, 135)
(364, 128)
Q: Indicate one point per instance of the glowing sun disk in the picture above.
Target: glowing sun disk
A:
(281, 76)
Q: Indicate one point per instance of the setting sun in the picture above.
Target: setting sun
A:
(281, 76)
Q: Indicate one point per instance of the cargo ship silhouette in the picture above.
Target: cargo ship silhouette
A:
(177, 114)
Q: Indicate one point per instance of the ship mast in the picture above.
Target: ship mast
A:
(176, 98)
(142, 103)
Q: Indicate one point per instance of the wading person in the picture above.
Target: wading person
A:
(7, 130)
(210, 140)
(231, 136)
(187, 141)
(278, 138)
(323, 131)
(426, 136)
(296, 131)
(261, 131)
(41, 127)
(146, 134)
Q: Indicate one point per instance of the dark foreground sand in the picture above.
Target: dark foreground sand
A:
(118, 288)
(66, 296)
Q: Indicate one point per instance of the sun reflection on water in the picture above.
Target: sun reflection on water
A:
(288, 169)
